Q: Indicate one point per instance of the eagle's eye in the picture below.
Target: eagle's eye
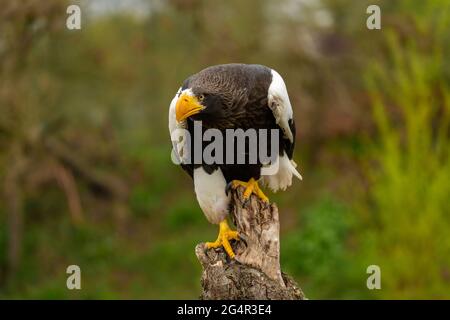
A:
(201, 97)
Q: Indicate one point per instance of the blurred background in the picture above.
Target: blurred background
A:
(85, 170)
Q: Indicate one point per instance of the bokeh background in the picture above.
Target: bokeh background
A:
(85, 170)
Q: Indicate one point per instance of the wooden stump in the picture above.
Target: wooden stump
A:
(255, 272)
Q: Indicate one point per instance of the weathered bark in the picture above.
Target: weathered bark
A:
(255, 272)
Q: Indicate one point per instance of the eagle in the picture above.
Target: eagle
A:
(224, 97)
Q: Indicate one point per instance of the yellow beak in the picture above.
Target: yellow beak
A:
(187, 106)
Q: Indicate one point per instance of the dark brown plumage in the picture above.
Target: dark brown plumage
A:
(235, 97)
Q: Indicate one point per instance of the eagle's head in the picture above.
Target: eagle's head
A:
(200, 105)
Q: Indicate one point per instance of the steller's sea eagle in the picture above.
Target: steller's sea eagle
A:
(233, 96)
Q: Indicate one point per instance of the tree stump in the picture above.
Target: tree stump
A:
(255, 271)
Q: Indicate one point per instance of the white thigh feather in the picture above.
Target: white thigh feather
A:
(211, 196)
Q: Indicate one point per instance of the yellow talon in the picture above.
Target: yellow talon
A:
(251, 187)
(223, 240)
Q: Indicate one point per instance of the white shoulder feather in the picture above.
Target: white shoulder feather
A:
(278, 100)
(177, 131)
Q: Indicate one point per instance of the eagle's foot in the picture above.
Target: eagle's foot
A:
(223, 240)
(251, 187)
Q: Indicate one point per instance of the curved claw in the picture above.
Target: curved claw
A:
(250, 187)
(223, 240)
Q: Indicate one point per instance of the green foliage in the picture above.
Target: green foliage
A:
(322, 237)
(183, 215)
(409, 200)
(319, 255)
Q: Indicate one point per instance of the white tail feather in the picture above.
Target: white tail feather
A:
(294, 170)
(283, 178)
